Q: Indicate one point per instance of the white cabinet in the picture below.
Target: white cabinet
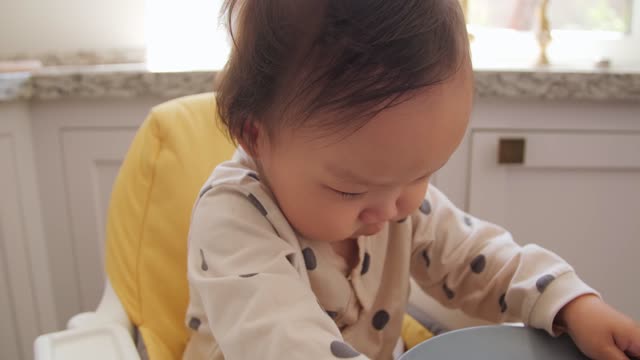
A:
(58, 161)
(9, 225)
(576, 193)
(92, 158)
(26, 304)
(80, 144)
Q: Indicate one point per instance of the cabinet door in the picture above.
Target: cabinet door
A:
(79, 146)
(575, 193)
(9, 332)
(92, 160)
(26, 301)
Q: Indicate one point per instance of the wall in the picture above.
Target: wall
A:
(37, 26)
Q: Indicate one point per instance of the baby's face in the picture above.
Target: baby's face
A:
(335, 188)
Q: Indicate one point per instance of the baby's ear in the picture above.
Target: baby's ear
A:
(250, 137)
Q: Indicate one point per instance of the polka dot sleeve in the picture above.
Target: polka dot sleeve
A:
(247, 291)
(464, 262)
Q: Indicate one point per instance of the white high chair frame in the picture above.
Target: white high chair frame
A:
(107, 333)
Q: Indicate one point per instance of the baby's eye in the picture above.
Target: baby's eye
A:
(348, 195)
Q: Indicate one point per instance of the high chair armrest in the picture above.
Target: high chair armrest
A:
(109, 311)
(105, 334)
(109, 342)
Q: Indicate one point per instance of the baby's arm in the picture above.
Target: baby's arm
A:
(467, 263)
(257, 305)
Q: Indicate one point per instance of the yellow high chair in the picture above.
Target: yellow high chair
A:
(146, 292)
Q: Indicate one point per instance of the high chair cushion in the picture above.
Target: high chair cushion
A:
(171, 156)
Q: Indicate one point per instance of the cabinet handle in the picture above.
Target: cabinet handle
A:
(511, 151)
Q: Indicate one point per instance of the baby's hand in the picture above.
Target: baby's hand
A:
(600, 331)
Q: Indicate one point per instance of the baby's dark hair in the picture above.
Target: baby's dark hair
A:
(351, 58)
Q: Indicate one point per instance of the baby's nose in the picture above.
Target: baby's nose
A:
(378, 214)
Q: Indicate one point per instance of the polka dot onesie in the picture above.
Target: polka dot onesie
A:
(258, 290)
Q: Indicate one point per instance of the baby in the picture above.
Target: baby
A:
(302, 246)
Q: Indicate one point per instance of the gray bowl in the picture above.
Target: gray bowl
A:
(498, 342)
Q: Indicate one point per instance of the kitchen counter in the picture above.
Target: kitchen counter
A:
(132, 80)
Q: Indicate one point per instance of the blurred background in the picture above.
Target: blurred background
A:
(552, 152)
(185, 35)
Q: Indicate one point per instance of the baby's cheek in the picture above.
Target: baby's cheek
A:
(412, 199)
(347, 219)
(341, 220)
(319, 218)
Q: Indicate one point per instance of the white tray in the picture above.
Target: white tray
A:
(108, 342)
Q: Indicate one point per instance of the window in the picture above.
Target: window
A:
(186, 35)
(581, 15)
(583, 31)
